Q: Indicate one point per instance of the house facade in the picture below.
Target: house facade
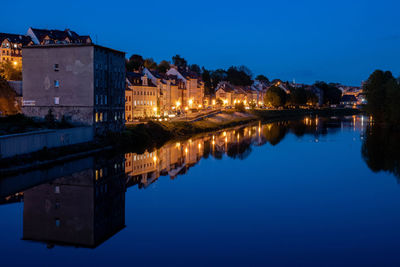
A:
(141, 97)
(11, 48)
(194, 87)
(82, 83)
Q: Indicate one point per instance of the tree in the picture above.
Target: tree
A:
(135, 63)
(239, 76)
(163, 67)
(217, 76)
(240, 107)
(383, 95)
(332, 94)
(312, 98)
(262, 78)
(179, 61)
(7, 98)
(150, 64)
(275, 97)
(206, 77)
(195, 68)
(298, 97)
(11, 71)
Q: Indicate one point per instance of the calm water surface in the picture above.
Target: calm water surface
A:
(313, 192)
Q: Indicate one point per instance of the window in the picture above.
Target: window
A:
(105, 116)
(97, 99)
(57, 189)
(56, 83)
(101, 99)
(96, 117)
(56, 101)
(101, 116)
(57, 222)
(105, 100)
(56, 68)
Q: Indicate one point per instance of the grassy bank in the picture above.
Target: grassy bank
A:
(155, 134)
(295, 113)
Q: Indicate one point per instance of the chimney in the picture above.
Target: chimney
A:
(144, 80)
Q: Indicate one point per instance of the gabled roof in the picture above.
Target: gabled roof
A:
(135, 79)
(15, 38)
(58, 35)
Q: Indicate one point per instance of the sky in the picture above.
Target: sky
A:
(306, 40)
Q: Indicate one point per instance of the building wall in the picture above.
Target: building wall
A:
(17, 144)
(83, 83)
(109, 90)
(11, 52)
(75, 90)
(141, 101)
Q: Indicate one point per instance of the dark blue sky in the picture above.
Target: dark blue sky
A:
(335, 41)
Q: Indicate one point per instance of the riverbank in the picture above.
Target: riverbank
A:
(154, 134)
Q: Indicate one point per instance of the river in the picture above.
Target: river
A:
(309, 192)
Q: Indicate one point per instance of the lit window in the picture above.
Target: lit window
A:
(56, 83)
(97, 117)
(101, 116)
(56, 101)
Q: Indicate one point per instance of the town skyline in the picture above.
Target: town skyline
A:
(345, 46)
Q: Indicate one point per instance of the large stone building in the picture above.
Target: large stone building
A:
(11, 47)
(84, 83)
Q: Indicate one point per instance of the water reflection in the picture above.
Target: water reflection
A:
(82, 203)
(82, 208)
(381, 149)
(176, 158)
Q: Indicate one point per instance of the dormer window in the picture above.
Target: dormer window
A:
(56, 67)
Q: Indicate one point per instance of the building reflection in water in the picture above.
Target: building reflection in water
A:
(176, 158)
(82, 203)
(81, 209)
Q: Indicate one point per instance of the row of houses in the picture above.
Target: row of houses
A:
(150, 93)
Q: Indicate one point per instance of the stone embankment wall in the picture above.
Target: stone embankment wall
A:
(23, 143)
